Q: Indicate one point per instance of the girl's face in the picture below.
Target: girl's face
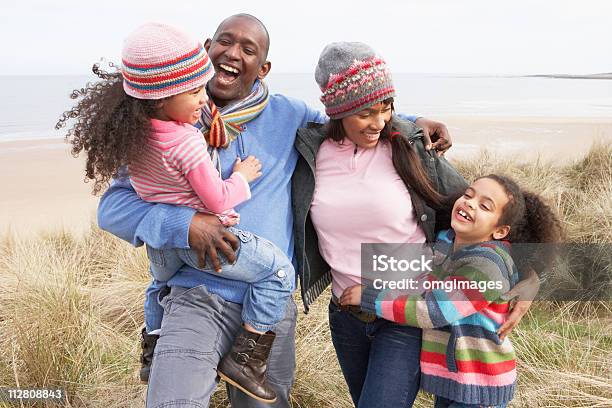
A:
(476, 214)
(363, 128)
(185, 107)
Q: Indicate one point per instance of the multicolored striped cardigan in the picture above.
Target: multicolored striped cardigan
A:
(462, 357)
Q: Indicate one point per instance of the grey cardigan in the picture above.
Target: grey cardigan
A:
(313, 271)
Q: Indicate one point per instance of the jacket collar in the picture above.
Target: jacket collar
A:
(312, 135)
(446, 240)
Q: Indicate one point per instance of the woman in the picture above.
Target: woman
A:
(365, 177)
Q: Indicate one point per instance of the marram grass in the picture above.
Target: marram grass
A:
(72, 310)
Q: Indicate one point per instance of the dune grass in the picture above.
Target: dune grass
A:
(72, 310)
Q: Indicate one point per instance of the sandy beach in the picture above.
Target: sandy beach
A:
(559, 139)
(43, 188)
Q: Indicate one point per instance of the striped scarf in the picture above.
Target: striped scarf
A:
(221, 126)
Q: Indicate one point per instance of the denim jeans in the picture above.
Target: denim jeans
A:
(153, 311)
(198, 329)
(258, 262)
(379, 360)
(445, 403)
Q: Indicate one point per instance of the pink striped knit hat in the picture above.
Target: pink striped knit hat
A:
(159, 60)
(352, 78)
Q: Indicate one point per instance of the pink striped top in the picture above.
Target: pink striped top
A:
(176, 168)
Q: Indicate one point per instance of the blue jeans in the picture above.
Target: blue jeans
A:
(445, 403)
(198, 329)
(379, 360)
(258, 262)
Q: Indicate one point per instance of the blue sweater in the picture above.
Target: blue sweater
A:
(270, 138)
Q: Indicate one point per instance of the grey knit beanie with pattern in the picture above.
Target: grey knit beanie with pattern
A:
(352, 78)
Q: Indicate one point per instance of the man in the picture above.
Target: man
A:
(202, 311)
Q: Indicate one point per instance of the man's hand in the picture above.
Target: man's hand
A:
(207, 235)
(436, 135)
(351, 296)
(524, 292)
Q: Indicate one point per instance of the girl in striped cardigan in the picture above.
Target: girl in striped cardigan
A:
(464, 363)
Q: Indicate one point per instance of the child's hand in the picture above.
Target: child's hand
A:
(351, 296)
(250, 168)
(232, 222)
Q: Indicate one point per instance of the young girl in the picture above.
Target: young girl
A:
(463, 361)
(143, 117)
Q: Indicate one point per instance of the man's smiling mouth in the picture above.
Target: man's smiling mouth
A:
(226, 74)
(228, 68)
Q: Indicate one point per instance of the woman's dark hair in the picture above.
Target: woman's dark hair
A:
(111, 126)
(405, 158)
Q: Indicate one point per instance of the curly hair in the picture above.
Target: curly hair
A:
(531, 221)
(111, 126)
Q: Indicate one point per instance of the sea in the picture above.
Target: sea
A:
(31, 105)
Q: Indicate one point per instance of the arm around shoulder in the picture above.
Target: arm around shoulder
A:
(445, 177)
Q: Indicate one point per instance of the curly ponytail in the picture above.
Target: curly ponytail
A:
(540, 224)
(110, 126)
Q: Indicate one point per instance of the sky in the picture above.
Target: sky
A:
(415, 36)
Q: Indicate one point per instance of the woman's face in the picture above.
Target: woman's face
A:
(363, 128)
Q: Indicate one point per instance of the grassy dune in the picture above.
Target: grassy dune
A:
(72, 310)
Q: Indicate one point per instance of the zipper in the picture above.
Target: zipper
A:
(240, 141)
(354, 159)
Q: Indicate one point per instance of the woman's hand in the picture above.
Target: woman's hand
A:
(435, 132)
(207, 235)
(351, 296)
(524, 292)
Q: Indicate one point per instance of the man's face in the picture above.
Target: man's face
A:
(238, 52)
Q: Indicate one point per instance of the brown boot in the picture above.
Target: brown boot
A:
(246, 365)
(147, 344)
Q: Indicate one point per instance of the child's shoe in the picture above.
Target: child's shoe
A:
(147, 343)
(246, 365)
